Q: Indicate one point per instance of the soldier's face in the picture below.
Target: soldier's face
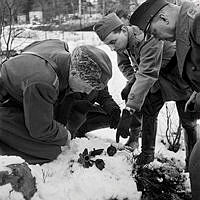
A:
(162, 29)
(117, 41)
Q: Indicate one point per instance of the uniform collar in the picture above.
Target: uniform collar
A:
(133, 37)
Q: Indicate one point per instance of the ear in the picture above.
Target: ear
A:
(164, 18)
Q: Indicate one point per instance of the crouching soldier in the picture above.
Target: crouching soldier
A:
(32, 84)
(96, 109)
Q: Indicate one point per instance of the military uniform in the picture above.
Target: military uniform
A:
(155, 83)
(188, 51)
(40, 102)
(103, 112)
(33, 84)
(188, 55)
(188, 44)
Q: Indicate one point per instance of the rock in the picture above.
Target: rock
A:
(20, 178)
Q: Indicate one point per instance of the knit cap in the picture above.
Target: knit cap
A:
(92, 65)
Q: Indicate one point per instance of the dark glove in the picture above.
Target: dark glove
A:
(125, 91)
(63, 107)
(124, 125)
(114, 118)
(75, 122)
(78, 115)
(82, 106)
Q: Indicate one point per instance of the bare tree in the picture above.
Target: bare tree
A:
(173, 137)
(8, 31)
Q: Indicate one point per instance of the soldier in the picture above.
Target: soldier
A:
(167, 21)
(34, 85)
(104, 111)
(147, 90)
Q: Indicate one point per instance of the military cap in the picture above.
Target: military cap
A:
(92, 65)
(106, 25)
(145, 13)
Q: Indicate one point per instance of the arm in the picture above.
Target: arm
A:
(125, 66)
(38, 102)
(106, 101)
(128, 70)
(195, 41)
(147, 74)
(110, 107)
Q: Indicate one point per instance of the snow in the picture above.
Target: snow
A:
(65, 178)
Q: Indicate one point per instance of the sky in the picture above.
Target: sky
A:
(65, 178)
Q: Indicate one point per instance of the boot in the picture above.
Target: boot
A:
(148, 140)
(133, 141)
(144, 158)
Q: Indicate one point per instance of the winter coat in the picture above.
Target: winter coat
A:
(27, 121)
(188, 44)
(146, 61)
(143, 61)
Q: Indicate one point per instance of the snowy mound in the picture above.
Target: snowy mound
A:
(66, 178)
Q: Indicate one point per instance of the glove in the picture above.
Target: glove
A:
(114, 118)
(82, 106)
(78, 115)
(126, 90)
(75, 121)
(63, 108)
(124, 125)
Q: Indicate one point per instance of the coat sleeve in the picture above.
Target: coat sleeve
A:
(125, 66)
(195, 41)
(38, 102)
(147, 73)
(106, 101)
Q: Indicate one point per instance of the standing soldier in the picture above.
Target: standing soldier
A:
(167, 21)
(149, 86)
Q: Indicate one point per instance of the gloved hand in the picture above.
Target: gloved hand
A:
(124, 125)
(78, 115)
(75, 121)
(126, 90)
(114, 118)
(62, 109)
(82, 106)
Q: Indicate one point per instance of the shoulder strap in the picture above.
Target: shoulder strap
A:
(51, 62)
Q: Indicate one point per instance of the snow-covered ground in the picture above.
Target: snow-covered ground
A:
(65, 178)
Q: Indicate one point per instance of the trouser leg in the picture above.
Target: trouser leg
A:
(189, 124)
(16, 140)
(150, 110)
(151, 107)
